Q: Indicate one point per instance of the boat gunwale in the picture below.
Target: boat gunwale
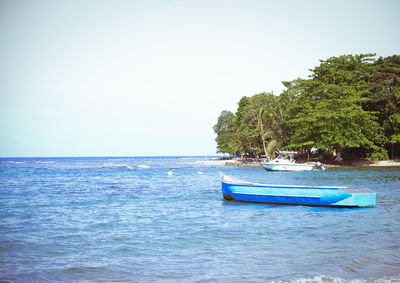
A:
(239, 182)
(245, 183)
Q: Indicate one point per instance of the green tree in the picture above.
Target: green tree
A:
(246, 125)
(384, 92)
(225, 130)
(272, 124)
(327, 109)
(350, 101)
(254, 126)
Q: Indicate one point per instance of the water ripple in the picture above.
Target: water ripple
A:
(79, 220)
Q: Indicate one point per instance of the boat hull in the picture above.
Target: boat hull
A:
(286, 167)
(297, 195)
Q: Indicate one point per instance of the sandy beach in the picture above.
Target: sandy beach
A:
(247, 163)
(385, 163)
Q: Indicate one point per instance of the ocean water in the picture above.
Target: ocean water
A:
(127, 220)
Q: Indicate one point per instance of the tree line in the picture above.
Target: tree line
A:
(348, 107)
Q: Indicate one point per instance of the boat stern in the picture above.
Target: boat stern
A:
(367, 199)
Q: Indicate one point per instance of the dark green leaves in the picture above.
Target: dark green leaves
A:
(350, 101)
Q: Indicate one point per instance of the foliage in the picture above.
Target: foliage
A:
(384, 92)
(350, 101)
(328, 108)
(248, 131)
(225, 130)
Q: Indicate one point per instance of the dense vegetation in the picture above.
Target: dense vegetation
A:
(349, 106)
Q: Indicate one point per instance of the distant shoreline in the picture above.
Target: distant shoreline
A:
(344, 164)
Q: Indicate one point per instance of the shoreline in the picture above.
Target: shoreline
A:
(345, 164)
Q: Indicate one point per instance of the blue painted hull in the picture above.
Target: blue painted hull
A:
(297, 195)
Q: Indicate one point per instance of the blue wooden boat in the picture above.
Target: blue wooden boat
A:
(235, 189)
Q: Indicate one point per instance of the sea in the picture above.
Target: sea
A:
(163, 219)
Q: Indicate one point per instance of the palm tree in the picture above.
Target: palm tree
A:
(267, 134)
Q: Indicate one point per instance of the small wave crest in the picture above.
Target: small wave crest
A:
(329, 279)
(369, 267)
(15, 162)
(143, 166)
(315, 279)
(117, 166)
(358, 270)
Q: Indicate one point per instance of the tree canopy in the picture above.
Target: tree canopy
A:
(348, 102)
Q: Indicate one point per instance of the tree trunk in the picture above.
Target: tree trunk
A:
(338, 155)
(265, 149)
(262, 137)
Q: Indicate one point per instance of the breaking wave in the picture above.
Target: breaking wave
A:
(117, 166)
(328, 279)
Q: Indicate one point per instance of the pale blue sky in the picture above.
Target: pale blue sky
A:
(121, 78)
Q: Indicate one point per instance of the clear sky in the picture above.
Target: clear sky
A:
(125, 78)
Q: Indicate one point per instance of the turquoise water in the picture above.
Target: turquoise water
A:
(106, 219)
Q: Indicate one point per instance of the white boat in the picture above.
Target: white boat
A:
(281, 163)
